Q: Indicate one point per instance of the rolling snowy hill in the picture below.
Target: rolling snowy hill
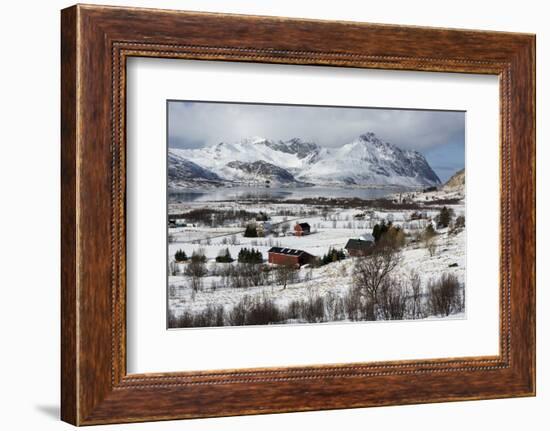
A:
(366, 161)
(457, 181)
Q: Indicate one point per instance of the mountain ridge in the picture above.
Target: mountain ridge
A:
(457, 180)
(365, 161)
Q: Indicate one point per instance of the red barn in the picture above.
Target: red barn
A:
(302, 229)
(288, 256)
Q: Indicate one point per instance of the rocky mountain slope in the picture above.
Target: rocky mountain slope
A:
(366, 161)
(456, 181)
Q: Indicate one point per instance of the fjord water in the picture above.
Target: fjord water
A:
(277, 193)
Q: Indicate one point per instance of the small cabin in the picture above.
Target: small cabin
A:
(358, 247)
(176, 220)
(301, 229)
(289, 256)
(263, 228)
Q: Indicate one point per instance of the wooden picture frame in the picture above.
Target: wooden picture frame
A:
(95, 43)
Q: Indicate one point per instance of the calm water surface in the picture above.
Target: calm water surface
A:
(240, 193)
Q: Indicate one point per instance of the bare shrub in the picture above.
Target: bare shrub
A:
(371, 271)
(259, 310)
(392, 299)
(195, 268)
(264, 311)
(334, 307)
(212, 315)
(313, 309)
(245, 275)
(355, 305)
(431, 246)
(174, 268)
(237, 315)
(286, 274)
(416, 294)
(284, 228)
(444, 295)
(196, 283)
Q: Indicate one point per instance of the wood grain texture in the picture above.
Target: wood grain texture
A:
(69, 397)
(96, 41)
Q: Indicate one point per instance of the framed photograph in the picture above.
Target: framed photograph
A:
(324, 223)
(265, 215)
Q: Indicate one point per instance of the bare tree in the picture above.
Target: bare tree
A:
(196, 283)
(174, 268)
(284, 228)
(285, 274)
(371, 271)
(392, 299)
(415, 286)
(444, 295)
(431, 246)
(196, 268)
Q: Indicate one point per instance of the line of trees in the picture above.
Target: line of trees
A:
(251, 255)
(217, 217)
(333, 255)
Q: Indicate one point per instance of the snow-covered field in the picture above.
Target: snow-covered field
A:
(335, 277)
(331, 228)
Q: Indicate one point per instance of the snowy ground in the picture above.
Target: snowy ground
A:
(335, 278)
(332, 229)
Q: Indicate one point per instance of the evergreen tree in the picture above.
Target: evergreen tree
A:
(429, 232)
(444, 217)
(333, 255)
(250, 231)
(224, 257)
(250, 256)
(180, 256)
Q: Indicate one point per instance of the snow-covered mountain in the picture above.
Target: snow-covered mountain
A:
(369, 161)
(366, 161)
(260, 171)
(183, 172)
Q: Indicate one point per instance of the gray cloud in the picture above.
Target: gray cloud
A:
(195, 124)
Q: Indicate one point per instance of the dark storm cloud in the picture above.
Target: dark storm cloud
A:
(196, 124)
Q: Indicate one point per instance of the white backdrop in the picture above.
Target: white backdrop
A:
(151, 348)
(29, 220)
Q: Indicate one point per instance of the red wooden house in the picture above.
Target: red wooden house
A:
(289, 256)
(302, 229)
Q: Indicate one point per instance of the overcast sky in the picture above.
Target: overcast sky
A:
(439, 135)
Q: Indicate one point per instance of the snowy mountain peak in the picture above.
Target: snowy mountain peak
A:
(301, 149)
(370, 137)
(365, 161)
(254, 140)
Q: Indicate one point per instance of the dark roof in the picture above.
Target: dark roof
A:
(303, 225)
(357, 244)
(287, 251)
